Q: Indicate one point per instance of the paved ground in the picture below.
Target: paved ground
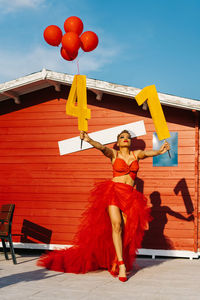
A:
(159, 279)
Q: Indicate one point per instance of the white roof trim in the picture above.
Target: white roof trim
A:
(47, 76)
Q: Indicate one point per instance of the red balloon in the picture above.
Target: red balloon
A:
(71, 42)
(53, 35)
(73, 24)
(89, 41)
(66, 55)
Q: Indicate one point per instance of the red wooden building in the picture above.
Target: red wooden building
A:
(50, 191)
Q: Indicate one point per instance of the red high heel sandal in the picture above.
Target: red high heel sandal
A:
(114, 273)
(123, 279)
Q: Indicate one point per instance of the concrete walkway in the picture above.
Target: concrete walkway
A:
(159, 279)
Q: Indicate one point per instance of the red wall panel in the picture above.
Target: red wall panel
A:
(51, 191)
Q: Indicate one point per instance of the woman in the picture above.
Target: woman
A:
(113, 225)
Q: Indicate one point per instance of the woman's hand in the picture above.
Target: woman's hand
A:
(84, 136)
(164, 148)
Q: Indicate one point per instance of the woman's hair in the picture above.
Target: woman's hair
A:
(124, 131)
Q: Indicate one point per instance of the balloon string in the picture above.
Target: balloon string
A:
(77, 62)
(78, 67)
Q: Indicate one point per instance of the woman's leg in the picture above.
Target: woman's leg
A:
(116, 221)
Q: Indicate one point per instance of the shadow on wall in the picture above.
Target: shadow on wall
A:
(34, 233)
(183, 189)
(154, 237)
(136, 144)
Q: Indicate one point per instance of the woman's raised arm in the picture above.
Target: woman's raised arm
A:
(105, 150)
(150, 153)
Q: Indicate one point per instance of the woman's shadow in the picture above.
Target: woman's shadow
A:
(154, 237)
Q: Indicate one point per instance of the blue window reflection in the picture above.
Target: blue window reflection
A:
(164, 160)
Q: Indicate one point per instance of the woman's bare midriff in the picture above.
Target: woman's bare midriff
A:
(126, 179)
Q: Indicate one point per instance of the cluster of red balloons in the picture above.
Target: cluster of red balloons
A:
(73, 39)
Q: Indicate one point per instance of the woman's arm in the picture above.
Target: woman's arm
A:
(150, 153)
(106, 151)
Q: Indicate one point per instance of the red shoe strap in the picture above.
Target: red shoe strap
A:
(121, 262)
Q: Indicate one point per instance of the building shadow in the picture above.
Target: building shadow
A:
(26, 277)
(145, 262)
(154, 237)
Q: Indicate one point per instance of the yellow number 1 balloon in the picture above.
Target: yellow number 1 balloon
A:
(149, 93)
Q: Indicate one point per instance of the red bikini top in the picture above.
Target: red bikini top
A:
(121, 168)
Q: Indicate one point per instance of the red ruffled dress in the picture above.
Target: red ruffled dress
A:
(93, 246)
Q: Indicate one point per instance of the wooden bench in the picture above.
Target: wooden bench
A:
(6, 216)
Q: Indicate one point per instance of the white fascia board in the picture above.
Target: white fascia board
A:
(22, 81)
(103, 86)
(59, 77)
(180, 102)
(126, 91)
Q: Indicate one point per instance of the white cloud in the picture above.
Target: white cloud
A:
(94, 61)
(13, 5)
(21, 64)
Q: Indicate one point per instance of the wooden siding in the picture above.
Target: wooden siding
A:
(51, 191)
(197, 154)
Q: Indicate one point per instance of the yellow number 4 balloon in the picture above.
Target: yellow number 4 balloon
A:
(78, 92)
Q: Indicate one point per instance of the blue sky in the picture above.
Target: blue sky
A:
(141, 42)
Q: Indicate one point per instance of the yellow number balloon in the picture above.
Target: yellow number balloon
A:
(149, 93)
(78, 91)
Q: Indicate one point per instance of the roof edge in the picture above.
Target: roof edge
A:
(103, 86)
